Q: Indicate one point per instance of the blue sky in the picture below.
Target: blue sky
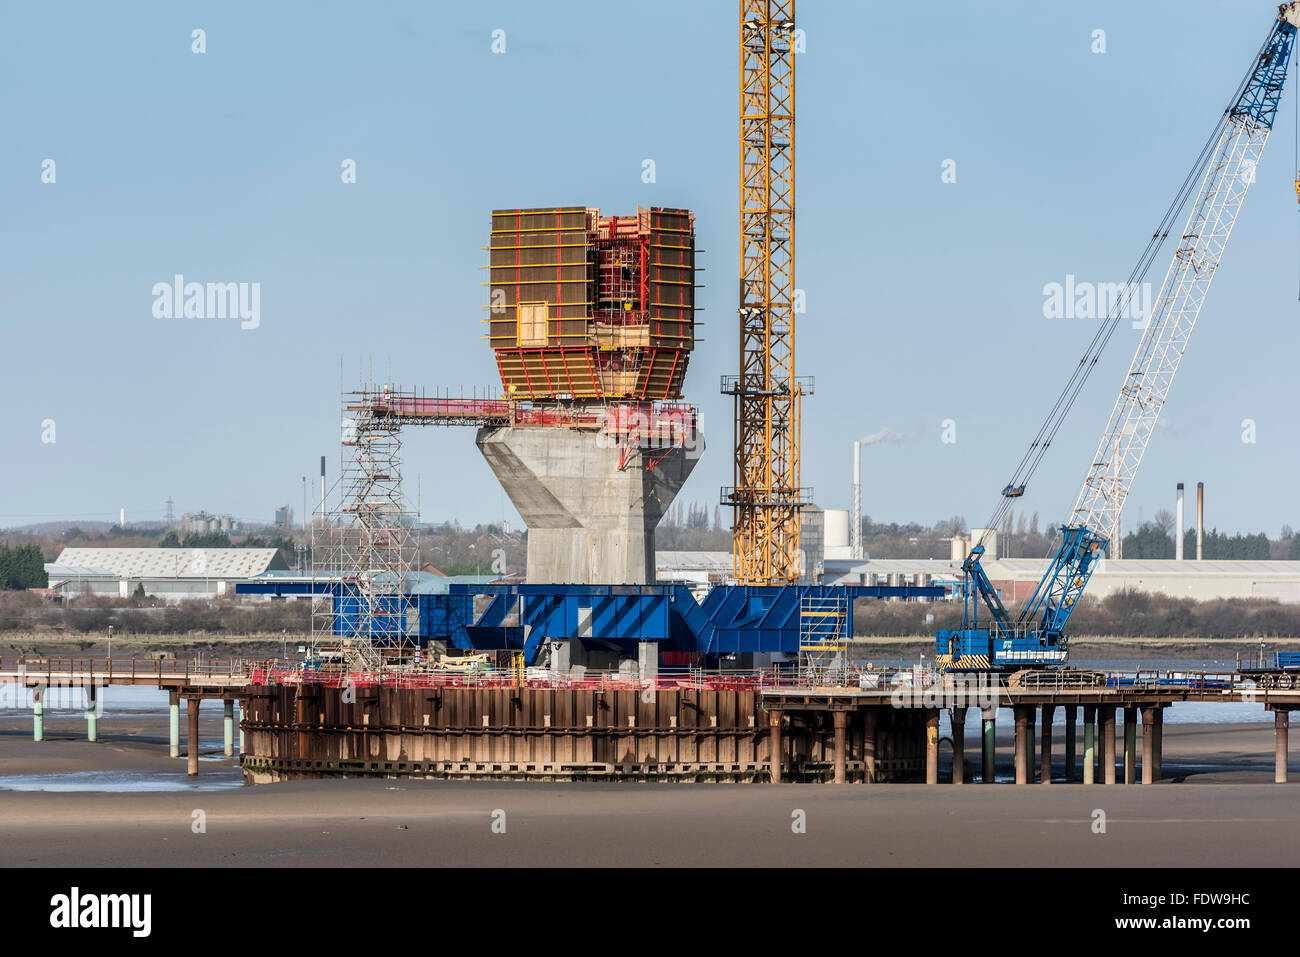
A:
(925, 299)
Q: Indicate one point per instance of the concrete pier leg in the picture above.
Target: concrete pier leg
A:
(1281, 720)
(990, 745)
(1089, 744)
(1108, 743)
(1158, 743)
(1148, 745)
(239, 723)
(1022, 744)
(228, 723)
(774, 744)
(1030, 753)
(92, 718)
(868, 745)
(192, 752)
(958, 745)
(1071, 742)
(841, 719)
(1048, 712)
(38, 713)
(175, 715)
(1130, 745)
(931, 746)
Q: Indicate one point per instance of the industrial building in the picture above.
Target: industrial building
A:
(173, 574)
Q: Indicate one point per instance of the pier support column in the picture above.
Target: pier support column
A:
(1030, 752)
(1148, 744)
(774, 744)
(1158, 743)
(1048, 711)
(92, 718)
(1281, 721)
(990, 744)
(958, 745)
(228, 722)
(841, 719)
(1089, 744)
(1130, 745)
(868, 745)
(1022, 743)
(1071, 742)
(192, 752)
(38, 713)
(1108, 743)
(931, 746)
(175, 715)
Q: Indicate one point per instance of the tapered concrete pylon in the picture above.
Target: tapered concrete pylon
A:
(589, 521)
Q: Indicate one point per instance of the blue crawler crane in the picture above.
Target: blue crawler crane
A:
(1034, 636)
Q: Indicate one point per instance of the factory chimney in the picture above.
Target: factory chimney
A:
(855, 517)
(1200, 520)
(1178, 525)
(121, 518)
(322, 489)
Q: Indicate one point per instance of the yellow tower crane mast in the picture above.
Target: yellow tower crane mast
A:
(766, 495)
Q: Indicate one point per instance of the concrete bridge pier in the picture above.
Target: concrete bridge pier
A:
(958, 745)
(1048, 712)
(174, 720)
(1071, 742)
(228, 725)
(1130, 745)
(1281, 722)
(1089, 744)
(92, 719)
(38, 713)
(192, 750)
(990, 744)
(1108, 731)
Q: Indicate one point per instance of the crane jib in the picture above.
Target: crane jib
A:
(1225, 168)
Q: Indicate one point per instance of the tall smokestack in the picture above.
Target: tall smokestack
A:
(1178, 526)
(322, 489)
(121, 518)
(855, 530)
(1200, 520)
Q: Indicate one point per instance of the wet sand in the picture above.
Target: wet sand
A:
(1217, 806)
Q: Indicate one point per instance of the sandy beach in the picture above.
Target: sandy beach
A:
(1217, 805)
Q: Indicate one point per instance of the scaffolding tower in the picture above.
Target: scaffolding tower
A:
(364, 551)
(823, 639)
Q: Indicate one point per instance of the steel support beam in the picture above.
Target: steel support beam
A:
(1281, 720)
(841, 719)
(931, 746)
(958, 745)
(1048, 713)
(774, 743)
(1130, 745)
(1089, 744)
(990, 745)
(192, 743)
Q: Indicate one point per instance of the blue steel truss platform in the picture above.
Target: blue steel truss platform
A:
(733, 619)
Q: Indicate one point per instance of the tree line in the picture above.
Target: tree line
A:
(22, 566)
